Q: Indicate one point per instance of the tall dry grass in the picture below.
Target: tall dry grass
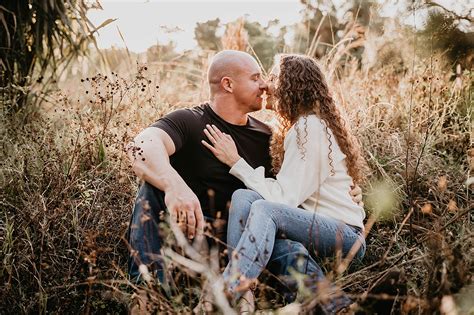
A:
(67, 190)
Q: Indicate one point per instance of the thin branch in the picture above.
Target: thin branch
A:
(467, 17)
(408, 136)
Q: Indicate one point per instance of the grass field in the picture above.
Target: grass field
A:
(67, 189)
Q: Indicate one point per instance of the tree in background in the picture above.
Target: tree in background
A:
(205, 35)
(317, 32)
(448, 32)
(161, 52)
(242, 35)
(36, 36)
(323, 25)
(263, 42)
(236, 36)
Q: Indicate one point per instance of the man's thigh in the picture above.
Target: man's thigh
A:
(144, 235)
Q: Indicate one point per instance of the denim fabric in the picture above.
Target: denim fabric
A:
(285, 252)
(143, 235)
(267, 222)
(145, 242)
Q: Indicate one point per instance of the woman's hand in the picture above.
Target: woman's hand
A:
(223, 146)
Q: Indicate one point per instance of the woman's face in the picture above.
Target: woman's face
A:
(271, 83)
(272, 78)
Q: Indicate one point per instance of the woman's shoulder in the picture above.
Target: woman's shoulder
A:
(309, 126)
(312, 123)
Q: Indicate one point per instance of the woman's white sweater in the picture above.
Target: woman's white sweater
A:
(308, 181)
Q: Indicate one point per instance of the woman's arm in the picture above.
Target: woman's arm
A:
(298, 178)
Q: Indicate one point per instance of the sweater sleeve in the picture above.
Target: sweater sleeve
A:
(299, 176)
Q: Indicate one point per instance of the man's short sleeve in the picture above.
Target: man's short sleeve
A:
(176, 125)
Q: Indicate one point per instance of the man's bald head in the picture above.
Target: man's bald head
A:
(228, 63)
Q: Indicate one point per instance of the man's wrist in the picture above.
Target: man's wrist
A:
(173, 182)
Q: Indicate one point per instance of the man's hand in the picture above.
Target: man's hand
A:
(185, 209)
(356, 195)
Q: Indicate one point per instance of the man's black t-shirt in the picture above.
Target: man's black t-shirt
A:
(201, 170)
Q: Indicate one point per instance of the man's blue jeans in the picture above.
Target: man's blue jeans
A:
(254, 224)
(145, 241)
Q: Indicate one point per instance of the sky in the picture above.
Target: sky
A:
(144, 23)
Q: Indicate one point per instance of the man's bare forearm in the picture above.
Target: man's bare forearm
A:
(149, 155)
(159, 173)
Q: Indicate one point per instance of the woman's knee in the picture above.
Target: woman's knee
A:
(245, 195)
(262, 208)
(241, 201)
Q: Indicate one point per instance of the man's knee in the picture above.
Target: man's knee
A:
(147, 212)
(151, 194)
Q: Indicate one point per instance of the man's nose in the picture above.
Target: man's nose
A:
(263, 85)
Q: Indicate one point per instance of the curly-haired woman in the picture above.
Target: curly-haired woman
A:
(316, 160)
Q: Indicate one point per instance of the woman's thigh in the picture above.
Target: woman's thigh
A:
(322, 235)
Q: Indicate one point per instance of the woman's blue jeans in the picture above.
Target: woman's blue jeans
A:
(255, 224)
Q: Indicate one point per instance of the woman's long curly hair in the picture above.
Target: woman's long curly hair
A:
(301, 89)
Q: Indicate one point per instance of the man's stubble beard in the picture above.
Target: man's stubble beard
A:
(256, 107)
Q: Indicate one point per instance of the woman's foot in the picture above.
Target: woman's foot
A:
(205, 305)
(246, 304)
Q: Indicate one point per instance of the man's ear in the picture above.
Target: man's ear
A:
(227, 84)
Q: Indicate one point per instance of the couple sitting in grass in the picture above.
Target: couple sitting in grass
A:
(291, 192)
